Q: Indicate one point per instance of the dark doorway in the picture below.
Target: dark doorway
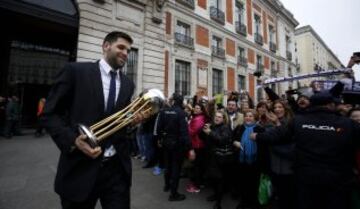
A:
(36, 42)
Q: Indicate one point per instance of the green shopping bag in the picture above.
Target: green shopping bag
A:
(264, 189)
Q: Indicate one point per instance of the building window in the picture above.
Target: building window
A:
(242, 52)
(288, 42)
(217, 81)
(241, 83)
(183, 34)
(240, 18)
(216, 42)
(257, 24)
(216, 46)
(272, 69)
(183, 28)
(259, 93)
(271, 33)
(290, 72)
(242, 57)
(259, 64)
(131, 66)
(215, 12)
(239, 12)
(182, 77)
(257, 35)
(216, 4)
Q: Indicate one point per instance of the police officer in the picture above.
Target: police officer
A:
(174, 138)
(324, 153)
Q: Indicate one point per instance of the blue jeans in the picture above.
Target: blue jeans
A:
(148, 139)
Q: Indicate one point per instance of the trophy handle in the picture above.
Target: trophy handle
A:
(91, 138)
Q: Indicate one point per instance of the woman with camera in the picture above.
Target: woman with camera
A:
(218, 138)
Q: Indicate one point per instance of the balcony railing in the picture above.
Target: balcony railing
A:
(272, 46)
(258, 38)
(218, 52)
(184, 40)
(240, 28)
(259, 70)
(242, 61)
(288, 55)
(273, 73)
(187, 3)
(217, 15)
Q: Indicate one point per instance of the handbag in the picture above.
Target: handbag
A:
(265, 189)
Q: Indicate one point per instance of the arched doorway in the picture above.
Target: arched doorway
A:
(39, 37)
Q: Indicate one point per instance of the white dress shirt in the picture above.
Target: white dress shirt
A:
(105, 69)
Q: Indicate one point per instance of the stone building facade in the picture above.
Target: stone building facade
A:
(200, 47)
(312, 53)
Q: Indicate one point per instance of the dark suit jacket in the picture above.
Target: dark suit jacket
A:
(77, 97)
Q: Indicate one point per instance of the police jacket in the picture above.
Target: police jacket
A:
(325, 143)
(172, 123)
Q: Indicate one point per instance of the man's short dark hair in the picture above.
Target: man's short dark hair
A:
(113, 36)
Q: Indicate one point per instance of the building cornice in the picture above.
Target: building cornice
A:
(309, 29)
(282, 11)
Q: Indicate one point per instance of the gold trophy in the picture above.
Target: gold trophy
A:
(148, 104)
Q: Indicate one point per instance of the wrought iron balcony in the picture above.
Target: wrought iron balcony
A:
(217, 15)
(187, 3)
(184, 40)
(288, 55)
(272, 46)
(218, 52)
(258, 38)
(242, 61)
(259, 70)
(240, 28)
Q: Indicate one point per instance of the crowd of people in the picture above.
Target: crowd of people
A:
(308, 147)
(215, 146)
(10, 117)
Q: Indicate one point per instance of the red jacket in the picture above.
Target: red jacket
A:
(195, 126)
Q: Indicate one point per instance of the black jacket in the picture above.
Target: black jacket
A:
(172, 123)
(325, 143)
(77, 97)
(262, 159)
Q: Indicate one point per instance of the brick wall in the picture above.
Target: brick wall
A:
(168, 23)
(229, 11)
(265, 27)
(249, 16)
(202, 3)
(230, 79)
(251, 86)
(202, 36)
(266, 62)
(251, 56)
(230, 47)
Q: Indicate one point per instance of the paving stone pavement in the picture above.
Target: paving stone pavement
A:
(28, 166)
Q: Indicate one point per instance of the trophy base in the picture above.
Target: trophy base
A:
(91, 138)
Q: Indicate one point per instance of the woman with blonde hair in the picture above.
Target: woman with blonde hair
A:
(282, 157)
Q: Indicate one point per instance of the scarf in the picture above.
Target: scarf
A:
(249, 151)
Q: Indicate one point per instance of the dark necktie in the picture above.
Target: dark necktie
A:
(112, 92)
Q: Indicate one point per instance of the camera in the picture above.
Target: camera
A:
(356, 57)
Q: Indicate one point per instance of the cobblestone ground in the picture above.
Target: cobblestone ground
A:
(28, 166)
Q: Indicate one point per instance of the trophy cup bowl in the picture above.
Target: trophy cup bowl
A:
(148, 104)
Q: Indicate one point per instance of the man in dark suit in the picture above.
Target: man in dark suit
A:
(86, 93)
